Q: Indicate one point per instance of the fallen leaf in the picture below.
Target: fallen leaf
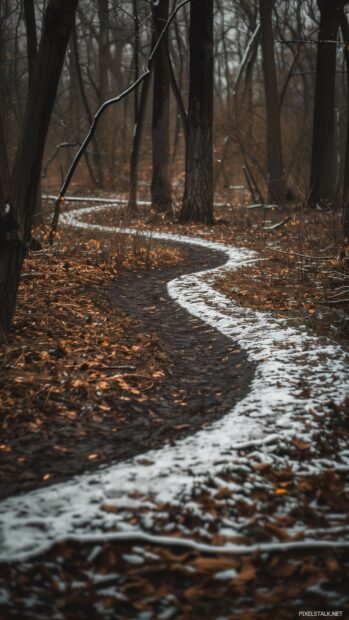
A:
(300, 445)
(223, 493)
(182, 427)
(214, 565)
(247, 573)
(110, 508)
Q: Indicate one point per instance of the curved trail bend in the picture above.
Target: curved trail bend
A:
(276, 408)
(206, 372)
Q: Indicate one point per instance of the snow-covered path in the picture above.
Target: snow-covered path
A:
(296, 375)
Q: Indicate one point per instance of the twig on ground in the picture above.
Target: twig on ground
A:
(277, 225)
(261, 205)
(290, 252)
(334, 301)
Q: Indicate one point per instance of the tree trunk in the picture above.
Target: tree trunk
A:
(32, 42)
(103, 87)
(86, 107)
(32, 54)
(136, 144)
(74, 109)
(322, 176)
(161, 185)
(276, 182)
(345, 33)
(4, 167)
(103, 50)
(16, 221)
(136, 56)
(178, 91)
(198, 190)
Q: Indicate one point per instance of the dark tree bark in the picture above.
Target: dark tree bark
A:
(103, 50)
(103, 82)
(136, 144)
(80, 83)
(176, 90)
(136, 56)
(198, 191)
(74, 105)
(322, 176)
(4, 165)
(345, 34)
(161, 191)
(178, 58)
(32, 41)
(16, 220)
(4, 168)
(32, 53)
(276, 182)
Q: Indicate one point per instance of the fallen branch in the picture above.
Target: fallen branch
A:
(335, 301)
(261, 205)
(278, 225)
(290, 252)
(343, 290)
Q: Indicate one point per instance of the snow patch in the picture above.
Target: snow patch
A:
(276, 409)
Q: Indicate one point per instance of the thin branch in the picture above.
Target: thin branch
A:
(58, 147)
(334, 302)
(311, 42)
(278, 224)
(262, 205)
(253, 40)
(290, 252)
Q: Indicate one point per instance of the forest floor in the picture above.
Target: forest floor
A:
(304, 272)
(99, 354)
(95, 372)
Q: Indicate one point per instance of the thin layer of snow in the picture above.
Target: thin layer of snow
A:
(277, 408)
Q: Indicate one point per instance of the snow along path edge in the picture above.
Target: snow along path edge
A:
(276, 409)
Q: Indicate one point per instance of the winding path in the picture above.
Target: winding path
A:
(276, 408)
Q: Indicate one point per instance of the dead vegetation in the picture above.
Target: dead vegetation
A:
(72, 362)
(303, 274)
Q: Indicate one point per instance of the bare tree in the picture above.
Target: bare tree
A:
(17, 214)
(345, 34)
(161, 184)
(32, 42)
(276, 182)
(4, 168)
(322, 176)
(198, 191)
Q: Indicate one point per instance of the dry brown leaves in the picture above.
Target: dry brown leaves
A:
(287, 281)
(71, 363)
(122, 581)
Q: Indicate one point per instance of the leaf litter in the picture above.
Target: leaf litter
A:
(291, 489)
(72, 364)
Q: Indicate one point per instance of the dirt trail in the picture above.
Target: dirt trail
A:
(205, 374)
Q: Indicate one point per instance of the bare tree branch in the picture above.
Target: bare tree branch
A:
(99, 113)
